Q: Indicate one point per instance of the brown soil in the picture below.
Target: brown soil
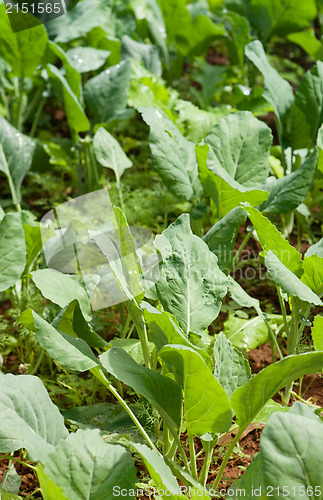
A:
(29, 482)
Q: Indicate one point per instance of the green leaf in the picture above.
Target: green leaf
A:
(191, 286)
(109, 153)
(159, 472)
(148, 54)
(159, 390)
(277, 90)
(313, 273)
(308, 109)
(74, 353)
(280, 17)
(226, 193)
(287, 280)
(238, 29)
(83, 467)
(24, 49)
(72, 76)
(16, 154)
(49, 490)
(164, 329)
(271, 239)
(241, 143)
(317, 333)
(221, 238)
(86, 59)
(240, 296)
(11, 481)
(316, 249)
(288, 192)
(106, 93)
(231, 370)
(248, 400)
(132, 347)
(251, 483)
(173, 156)
(76, 117)
(308, 41)
(29, 419)
(80, 20)
(71, 321)
(246, 333)
(268, 410)
(206, 405)
(12, 251)
(61, 289)
(192, 36)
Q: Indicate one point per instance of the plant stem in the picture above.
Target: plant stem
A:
(292, 341)
(241, 247)
(273, 336)
(37, 365)
(10, 457)
(283, 309)
(37, 117)
(192, 455)
(226, 458)
(97, 372)
(206, 465)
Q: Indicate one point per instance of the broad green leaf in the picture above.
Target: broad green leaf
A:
(271, 239)
(317, 333)
(85, 59)
(61, 289)
(248, 400)
(287, 280)
(206, 405)
(84, 467)
(191, 286)
(109, 153)
(148, 54)
(238, 29)
(173, 156)
(191, 36)
(308, 109)
(74, 353)
(313, 273)
(71, 321)
(226, 193)
(72, 76)
(316, 249)
(268, 410)
(280, 17)
(246, 333)
(289, 191)
(164, 329)
(319, 144)
(16, 154)
(291, 452)
(231, 370)
(159, 472)
(240, 296)
(163, 392)
(132, 347)
(76, 116)
(106, 93)
(12, 251)
(277, 90)
(197, 122)
(11, 481)
(29, 419)
(49, 489)
(221, 238)
(80, 20)
(241, 143)
(308, 41)
(23, 50)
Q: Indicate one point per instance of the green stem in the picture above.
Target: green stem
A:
(192, 455)
(141, 329)
(37, 365)
(206, 464)
(21, 102)
(292, 341)
(97, 372)
(273, 336)
(10, 457)
(37, 117)
(226, 458)
(283, 309)
(241, 247)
